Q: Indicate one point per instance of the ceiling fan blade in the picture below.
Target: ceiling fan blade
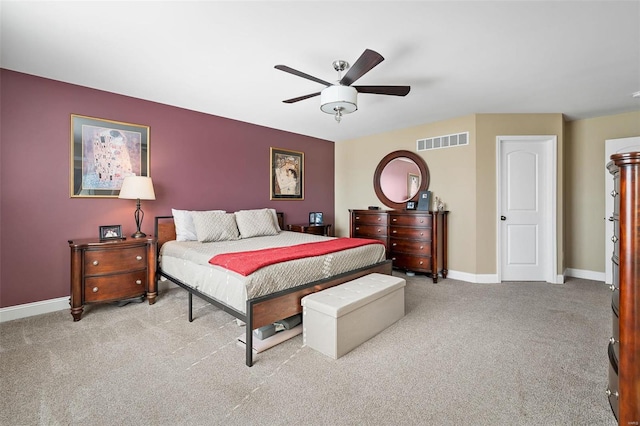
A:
(301, 74)
(384, 90)
(301, 98)
(363, 65)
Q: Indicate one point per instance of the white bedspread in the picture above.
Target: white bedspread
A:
(189, 262)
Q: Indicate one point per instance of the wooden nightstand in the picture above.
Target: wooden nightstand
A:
(311, 229)
(111, 270)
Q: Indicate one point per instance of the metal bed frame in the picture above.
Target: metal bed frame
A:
(263, 310)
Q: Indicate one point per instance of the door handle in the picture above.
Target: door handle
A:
(503, 218)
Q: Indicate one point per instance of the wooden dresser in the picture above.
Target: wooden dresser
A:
(111, 270)
(624, 346)
(415, 240)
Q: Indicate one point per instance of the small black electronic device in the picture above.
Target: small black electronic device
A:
(374, 208)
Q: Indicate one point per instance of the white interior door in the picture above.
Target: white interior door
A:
(613, 146)
(526, 206)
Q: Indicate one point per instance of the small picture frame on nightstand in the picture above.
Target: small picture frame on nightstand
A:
(411, 205)
(315, 218)
(111, 232)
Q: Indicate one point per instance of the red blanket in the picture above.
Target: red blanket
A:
(246, 262)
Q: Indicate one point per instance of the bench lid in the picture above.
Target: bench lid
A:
(344, 298)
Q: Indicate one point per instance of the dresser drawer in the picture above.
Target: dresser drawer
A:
(412, 263)
(615, 323)
(115, 287)
(415, 220)
(368, 231)
(106, 261)
(422, 234)
(370, 219)
(612, 388)
(419, 248)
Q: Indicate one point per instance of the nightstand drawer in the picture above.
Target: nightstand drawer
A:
(115, 287)
(105, 261)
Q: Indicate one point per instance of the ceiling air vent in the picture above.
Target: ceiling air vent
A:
(447, 141)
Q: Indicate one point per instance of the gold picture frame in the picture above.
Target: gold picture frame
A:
(287, 174)
(103, 153)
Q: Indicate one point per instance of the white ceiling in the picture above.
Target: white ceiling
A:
(580, 58)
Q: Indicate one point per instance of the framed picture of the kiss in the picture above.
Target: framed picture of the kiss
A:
(287, 174)
(103, 153)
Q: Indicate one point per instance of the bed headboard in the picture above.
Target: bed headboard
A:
(165, 228)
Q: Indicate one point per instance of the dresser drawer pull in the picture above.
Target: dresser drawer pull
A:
(357, 217)
(613, 340)
(422, 234)
(614, 193)
(393, 258)
(421, 220)
(394, 219)
(610, 218)
(395, 232)
(379, 230)
(394, 244)
(421, 247)
(95, 263)
(138, 282)
(357, 228)
(138, 257)
(612, 287)
(609, 393)
(421, 262)
(614, 239)
(95, 289)
(379, 219)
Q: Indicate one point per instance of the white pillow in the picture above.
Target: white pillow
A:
(215, 226)
(256, 223)
(275, 219)
(185, 229)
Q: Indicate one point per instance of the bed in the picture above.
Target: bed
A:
(271, 293)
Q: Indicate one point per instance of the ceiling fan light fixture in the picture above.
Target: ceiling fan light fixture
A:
(339, 100)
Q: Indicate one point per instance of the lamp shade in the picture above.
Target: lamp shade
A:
(339, 98)
(137, 187)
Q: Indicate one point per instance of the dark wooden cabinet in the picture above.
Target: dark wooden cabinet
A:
(111, 270)
(311, 229)
(416, 240)
(624, 346)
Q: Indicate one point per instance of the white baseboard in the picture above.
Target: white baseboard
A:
(587, 275)
(473, 278)
(36, 308)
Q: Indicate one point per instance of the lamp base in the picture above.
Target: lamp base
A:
(139, 234)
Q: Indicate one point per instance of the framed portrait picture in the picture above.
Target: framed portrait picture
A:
(103, 153)
(111, 232)
(424, 200)
(315, 218)
(411, 205)
(287, 174)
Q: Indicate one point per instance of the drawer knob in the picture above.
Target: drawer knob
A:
(395, 232)
(612, 287)
(422, 234)
(421, 247)
(379, 230)
(357, 228)
(421, 220)
(95, 289)
(609, 393)
(379, 219)
(613, 340)
(421, 262)
(95, 263)
(138, 257)
(394, 219)
(610, 218)
(138, 282)
(357, 217)
(614, 193)
(614, 239)
(394, 244)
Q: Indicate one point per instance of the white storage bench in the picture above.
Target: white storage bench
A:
(338, 319)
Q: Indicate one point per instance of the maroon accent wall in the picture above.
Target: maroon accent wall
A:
(197, 161)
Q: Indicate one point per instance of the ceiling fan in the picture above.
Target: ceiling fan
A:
(341, 97)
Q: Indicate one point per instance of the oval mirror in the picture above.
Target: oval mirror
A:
(399, 177)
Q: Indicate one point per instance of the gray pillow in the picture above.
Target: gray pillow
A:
(215, 226)
(256, 223)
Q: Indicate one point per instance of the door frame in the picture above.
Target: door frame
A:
(551, 211)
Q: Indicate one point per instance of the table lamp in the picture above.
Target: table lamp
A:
(137, 188)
